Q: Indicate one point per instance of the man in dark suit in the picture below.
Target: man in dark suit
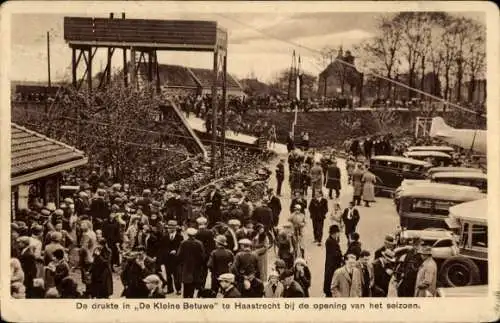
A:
(28, 264)
(382, 270)
(333, 258)
(275, 205)
(99, 210)
(350, 217)
(191, 256)
(245, 261)
(206, 237)
(111, 232)
(263, 214)
(367, 145)
(214, 202)
(220, 260)
(280, 176)
(389, 243)
(292, 289)
(367, 275)
(318, 208)
(333, 179)
(250, 286)
(167, 257)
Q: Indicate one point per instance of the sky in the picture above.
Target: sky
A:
(253, 49)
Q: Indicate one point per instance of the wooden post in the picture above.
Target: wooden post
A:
(73, 66)
(224, 103)
(133, 72)
(89, 70)
(125, 67)
(108, 72)
(214, 111)
(157, 70)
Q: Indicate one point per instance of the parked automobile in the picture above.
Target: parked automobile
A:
(474, 179)
(444, 149)
(433, 170)
(470, 266)
(443, 242)
(426, 205)
(392, 170)
(436, 158)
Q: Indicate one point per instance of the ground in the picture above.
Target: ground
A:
(376, 221)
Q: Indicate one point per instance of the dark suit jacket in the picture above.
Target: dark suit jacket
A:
(191, 257)
(333, 177)
(350, 224)
(333, 259)
(232, 293)
(381, 280)
(165, 247)
(28, 264)
(318, 209)
(216, 200)
(219, 261)
(280, 172)
(302, 202)
(206, 237)
(263, 215)
(275, 205)
(293, 291)
(245, 262)
(256, 289)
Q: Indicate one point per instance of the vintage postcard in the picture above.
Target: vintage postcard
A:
(249, 161)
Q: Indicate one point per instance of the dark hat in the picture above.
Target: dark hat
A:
(279, 263)
(389, 239)
(286, 273)
(334, 229)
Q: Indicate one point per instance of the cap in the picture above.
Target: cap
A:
(172, 223)
(63, 206)
(300, 261)
(228, 277)
(59, 212)
(201, 220)
(425, 250)
(389, 239)
(69, 201)
(221, 240)
(234, 222)
(115, 207)
(279, 263)
(233, 200)
(297, 207)
(191, 231)
(51, 206)
(152, 279)
(45, 212)
(245, 242)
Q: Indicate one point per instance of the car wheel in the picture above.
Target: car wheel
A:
(459, 271)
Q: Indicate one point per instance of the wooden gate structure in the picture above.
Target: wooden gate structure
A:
(422, 126)
(144, 38)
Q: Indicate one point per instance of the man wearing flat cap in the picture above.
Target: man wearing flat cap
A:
(245, 260)
(389, 243)
(383, 267)
(226, 282)
(167, 257)
(191, 257)
(231, 237)
(220, 260)
(425, 285)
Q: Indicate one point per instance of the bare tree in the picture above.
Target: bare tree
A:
(475, 52)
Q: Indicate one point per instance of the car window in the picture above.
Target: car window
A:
(442, 207)
(443, 243)
(479, 236)
(465, 235)
(422, 205)
(428, 242)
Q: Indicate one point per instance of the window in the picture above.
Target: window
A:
(442, 207)
(479, 236)
(465, 235)
(421, 205)
(443, 243)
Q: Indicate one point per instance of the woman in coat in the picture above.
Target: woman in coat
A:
(350, 167)
(369, 180)
(302, 275)
(357, 183)
(261, 245)
(333, 179)
(101, 281)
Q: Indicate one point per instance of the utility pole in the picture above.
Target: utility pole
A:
(48, 57)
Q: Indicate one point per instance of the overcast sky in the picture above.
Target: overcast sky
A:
(253, 47)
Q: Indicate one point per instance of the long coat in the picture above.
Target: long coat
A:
(261, 253)
(165, 247)
(275, 205)
(316, 177)
(367, 284)
(277, 293)
(220, 261)
(357, 182)
(426, 278)
(333, 177)
(101, 283)
(345, 286)
(191, 256)
(333, 260)
(264, 215)
(245, 262)
(318, 209)
(350, 224)
(369, 181)
(382, 279)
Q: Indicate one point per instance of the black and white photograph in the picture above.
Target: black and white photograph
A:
(171, 154)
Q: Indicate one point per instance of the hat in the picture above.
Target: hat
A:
(245, 242)
(334, 229)
(234, 222)
(233, 200)
(156, 203)
(221, 240)
(51, 206)
(152, 279)
(69, 201)
(172, 223)
(63, 206)
(297, 207)
(191, 231)
(425, 250)
(59, 212)
(83, 194)
(389, 239)
(389, 255)
(115, 207)
(45, 212)
(14, 226)
(279, 263)
(170, 187)
(300, 261)
(227, 277)
(286, 273)
(201, 220)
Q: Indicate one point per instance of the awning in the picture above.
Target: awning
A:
(34, 156)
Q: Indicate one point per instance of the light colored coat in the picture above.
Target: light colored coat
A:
(426, 278)
(316, 177)
(268, 291)
(357, 183)
(369, 181)
(343, 285)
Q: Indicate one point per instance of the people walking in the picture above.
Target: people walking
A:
(347, 280)
(350, 218)
(369, 180)
(318, 208)
(191, 256)
(333, 180)
(333, 258)
(425, 285)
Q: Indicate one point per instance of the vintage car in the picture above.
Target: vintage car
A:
(392, 170)
(470, 266)
(464, 291)
(444, 149)
(426, 205)
(433, 170)
(474, 179)
(436, 158)
(443, 242)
